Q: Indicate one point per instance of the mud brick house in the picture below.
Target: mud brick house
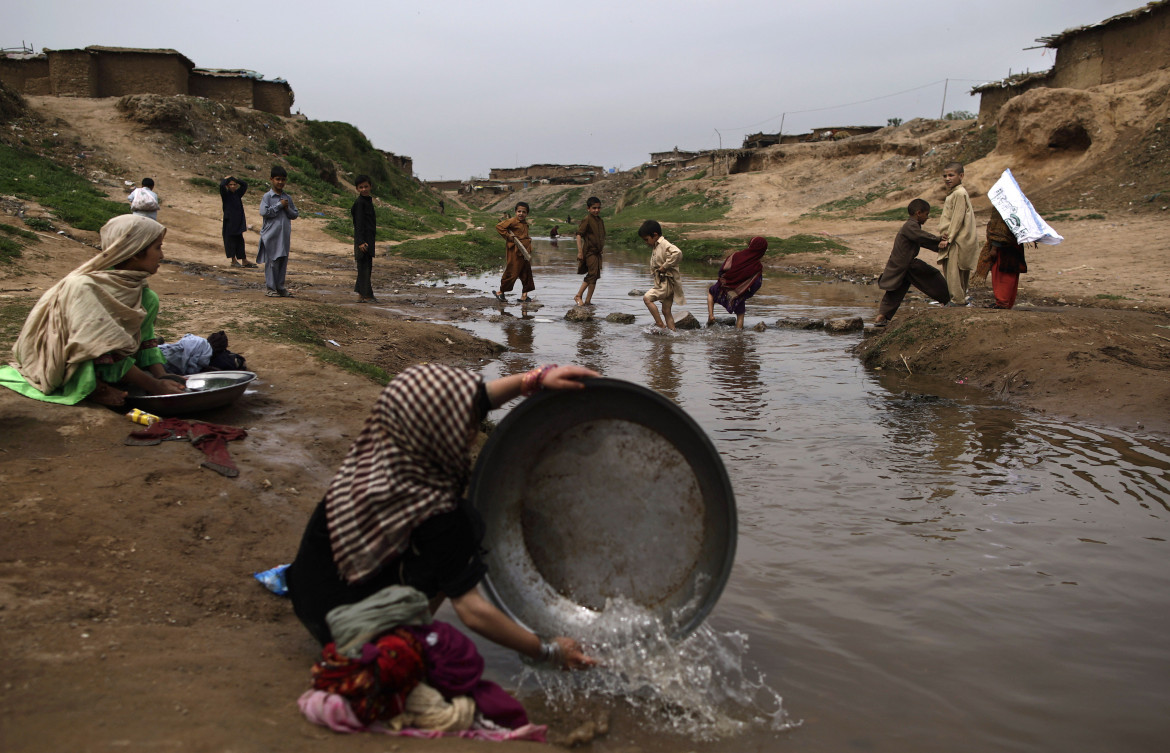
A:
(97, 71)
(563, 174)
(1124, 46)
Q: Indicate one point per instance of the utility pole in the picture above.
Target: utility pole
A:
(782, 124)
(943, 109)
(720, 135)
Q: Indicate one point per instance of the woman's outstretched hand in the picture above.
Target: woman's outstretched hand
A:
(573, 657)
(567, 378)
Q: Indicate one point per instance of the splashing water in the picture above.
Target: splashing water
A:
(698, 687)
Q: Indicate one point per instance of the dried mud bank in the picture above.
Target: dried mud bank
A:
(1098, 365)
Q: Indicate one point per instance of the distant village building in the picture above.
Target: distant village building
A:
(560, 174)
(674, 155)
(116, 71)
(1124, 46)
(761, 140)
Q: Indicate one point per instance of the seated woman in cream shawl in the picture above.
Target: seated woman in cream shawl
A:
(92, 334)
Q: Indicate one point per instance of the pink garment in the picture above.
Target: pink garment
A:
(333, 711)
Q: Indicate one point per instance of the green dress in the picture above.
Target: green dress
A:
(84, 380)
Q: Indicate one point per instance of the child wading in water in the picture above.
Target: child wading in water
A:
(664, 261)
(740, 276)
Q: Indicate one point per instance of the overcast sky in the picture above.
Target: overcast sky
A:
(463, 87)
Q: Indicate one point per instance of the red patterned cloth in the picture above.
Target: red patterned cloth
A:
(212, 439)
(377, 683)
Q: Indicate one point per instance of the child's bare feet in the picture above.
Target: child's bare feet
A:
(108, 395)
(577, 300)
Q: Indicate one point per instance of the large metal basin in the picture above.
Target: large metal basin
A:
(205, 391)
(608, 492)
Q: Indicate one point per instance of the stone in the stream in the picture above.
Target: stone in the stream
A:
(845, 324)
(726, 321)
(619, 318)
(800, 322)
(636, 292)
(579, 314)
(687, 322)
(760, 327)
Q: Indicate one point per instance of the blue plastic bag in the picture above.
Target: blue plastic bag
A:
(273, 580)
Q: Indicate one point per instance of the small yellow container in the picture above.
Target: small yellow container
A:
(142, 417)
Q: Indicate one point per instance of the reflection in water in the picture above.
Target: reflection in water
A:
(518, 338)
(591, 346)
(735, 372)
(663, 365)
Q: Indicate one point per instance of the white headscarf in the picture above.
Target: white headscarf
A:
(93, 311)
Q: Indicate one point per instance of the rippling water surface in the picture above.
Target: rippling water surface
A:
(919, 568)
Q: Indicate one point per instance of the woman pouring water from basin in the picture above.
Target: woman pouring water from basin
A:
(395, 513)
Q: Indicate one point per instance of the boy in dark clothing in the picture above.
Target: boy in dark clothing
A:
(365, 227)
(590, 243)
(231, 193)
(904, 268)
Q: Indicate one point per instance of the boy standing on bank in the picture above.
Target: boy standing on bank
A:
(590, 243)
(518, 247)
(278, 210)
(231, 195)
(904, 268)
(957, 253)
(664, 260)
(365, 228)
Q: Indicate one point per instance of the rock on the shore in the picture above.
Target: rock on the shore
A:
(800, 322)
(687, 322)
(845, 324)
(579, 314)
(620, 318)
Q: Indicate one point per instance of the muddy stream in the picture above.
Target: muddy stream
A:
(919, 568)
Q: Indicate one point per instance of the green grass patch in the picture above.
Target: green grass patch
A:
(332, 143)
(39, 223)
(899, 337)
(898, 214)
(74, 199)
(473, 251)
(211, 185)
(1111, 297)
(12, 316)
(708, 249)
(977, 146)
(309, 326)
(19, 232)
(10, 250)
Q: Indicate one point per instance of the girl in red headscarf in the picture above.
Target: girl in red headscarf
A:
(740, 276)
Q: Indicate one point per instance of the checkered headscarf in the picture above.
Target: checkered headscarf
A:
(410, 462)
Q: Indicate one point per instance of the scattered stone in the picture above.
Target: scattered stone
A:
(760, 327)
(579, 314)
(725, 321)
(687, 322)
(620, 318)
(845, 324)
(800, 322)
(636, 293)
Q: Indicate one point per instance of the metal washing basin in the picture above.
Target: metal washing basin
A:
(205, 391)
(608, 492)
